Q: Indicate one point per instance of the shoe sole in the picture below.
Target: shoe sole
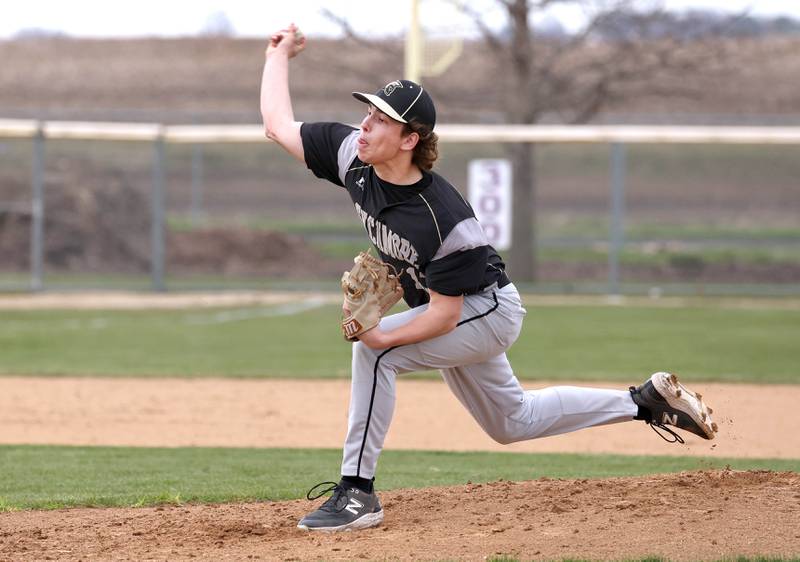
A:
(363, 522)
(688, 402)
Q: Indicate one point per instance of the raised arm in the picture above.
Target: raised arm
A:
(276, 103)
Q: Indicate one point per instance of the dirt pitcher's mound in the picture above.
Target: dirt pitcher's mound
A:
(686, 516)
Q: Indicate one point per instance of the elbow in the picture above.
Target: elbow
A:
(273, 135)
(451, 323)
(269, 129)
(276, 131)
(445, 312)
(270, 123)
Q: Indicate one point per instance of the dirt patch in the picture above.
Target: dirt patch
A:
(755, 421)
(242, 252)
(686, 516)
(101, 223)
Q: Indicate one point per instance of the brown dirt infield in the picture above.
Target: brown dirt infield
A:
(755, 421)
(689, 516)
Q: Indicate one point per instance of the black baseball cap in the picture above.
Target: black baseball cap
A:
(403, 100)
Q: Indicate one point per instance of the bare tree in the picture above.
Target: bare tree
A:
(621, 52)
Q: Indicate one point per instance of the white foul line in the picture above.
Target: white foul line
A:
(237, 315)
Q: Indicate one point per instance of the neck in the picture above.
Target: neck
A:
(398, 172)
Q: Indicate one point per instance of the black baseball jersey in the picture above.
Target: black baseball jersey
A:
(427, 230)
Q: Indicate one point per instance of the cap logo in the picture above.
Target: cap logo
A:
(389, 88)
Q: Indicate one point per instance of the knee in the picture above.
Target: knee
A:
(504, 437)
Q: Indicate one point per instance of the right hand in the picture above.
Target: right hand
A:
(285, 41)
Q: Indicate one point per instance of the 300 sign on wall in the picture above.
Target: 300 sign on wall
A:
(490, 197)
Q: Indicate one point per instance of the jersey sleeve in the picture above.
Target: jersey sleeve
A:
(459, 266)
(329, 149)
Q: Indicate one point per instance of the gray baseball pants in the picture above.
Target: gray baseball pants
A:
(473, 363)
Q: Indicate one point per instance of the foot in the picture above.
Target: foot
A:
(671, 403)
(347, 509)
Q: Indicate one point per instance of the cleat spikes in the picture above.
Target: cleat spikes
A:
(710, 411)
(672, 404)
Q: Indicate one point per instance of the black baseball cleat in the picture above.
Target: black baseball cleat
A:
(665, 401)
(347, 509)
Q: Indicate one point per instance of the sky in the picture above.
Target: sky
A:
(258, 18)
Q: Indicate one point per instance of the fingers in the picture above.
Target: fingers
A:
(278, 36)
(293, 38)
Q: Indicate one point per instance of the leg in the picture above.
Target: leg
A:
(489, 325)
(494, 397)
(372, 398)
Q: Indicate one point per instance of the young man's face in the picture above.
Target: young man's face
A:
(381, 138)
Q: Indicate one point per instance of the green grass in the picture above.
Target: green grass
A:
(699, 340)
(607, 343)
(54, 477)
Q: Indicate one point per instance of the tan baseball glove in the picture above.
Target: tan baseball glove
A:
(370, 289)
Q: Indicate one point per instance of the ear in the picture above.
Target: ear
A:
(409, 142)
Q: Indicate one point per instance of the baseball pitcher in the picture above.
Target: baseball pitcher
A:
(464, 311)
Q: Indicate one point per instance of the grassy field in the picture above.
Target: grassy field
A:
(701, 340)
(53, 477)
(706, 339)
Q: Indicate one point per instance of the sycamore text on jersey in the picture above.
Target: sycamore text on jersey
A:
(387, 241)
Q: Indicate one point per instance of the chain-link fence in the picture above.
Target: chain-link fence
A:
(689, 218)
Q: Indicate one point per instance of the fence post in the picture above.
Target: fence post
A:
(37, 211)
(157, 216)
(197, 184)
(616, 226)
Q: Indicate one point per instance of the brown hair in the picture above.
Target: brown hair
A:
(426, 152)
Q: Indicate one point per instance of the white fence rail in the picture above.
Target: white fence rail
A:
(21, 128)
(158, 134)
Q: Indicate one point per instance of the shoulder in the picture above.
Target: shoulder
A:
(329, 149)
(323, 131)
(447, 202)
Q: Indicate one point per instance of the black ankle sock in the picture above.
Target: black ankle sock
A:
(643, 414)
(363, 484)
